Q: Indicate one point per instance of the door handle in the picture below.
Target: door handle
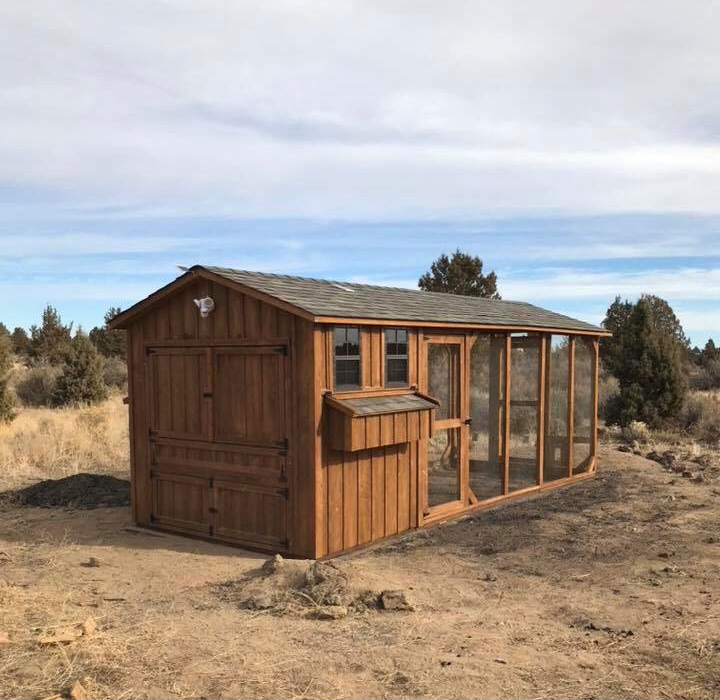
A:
(467, 421)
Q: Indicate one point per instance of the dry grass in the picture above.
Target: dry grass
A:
(45, 443)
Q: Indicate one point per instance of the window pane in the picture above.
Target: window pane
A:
(401, 335)
(487, 379)
(556, 434)
(443, 378)
(347, 373)
(584, 357)
(525, 356)
(397, 371)
(353, 341)
(443, 466)
(339, 339)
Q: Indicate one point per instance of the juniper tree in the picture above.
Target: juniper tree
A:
(662, 319)
(110, 343)
(649, 369)
(81, 381)
(51, 340)
(461, 274)
(22, 345)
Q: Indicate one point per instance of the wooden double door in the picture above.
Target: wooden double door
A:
(219, 441)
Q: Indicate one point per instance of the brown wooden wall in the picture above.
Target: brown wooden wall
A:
(366, 495)
(371, 494)
(237, 317)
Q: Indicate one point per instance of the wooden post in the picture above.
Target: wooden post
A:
(540, 453)
(595, 393)
(571, 405)
(506, 416)
(495, 428)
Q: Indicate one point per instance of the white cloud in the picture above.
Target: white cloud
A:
(672, 283)
(362, 109)
(73, 244)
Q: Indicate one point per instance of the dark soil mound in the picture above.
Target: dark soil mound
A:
(80, 491)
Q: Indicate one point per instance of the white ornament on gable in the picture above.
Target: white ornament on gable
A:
(206, 305)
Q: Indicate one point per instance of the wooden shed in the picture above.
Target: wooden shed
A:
(310, 417)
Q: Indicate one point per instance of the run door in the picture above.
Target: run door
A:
(445, 469)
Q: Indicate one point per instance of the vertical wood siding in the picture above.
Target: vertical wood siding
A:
(371, 494)
(174, 408)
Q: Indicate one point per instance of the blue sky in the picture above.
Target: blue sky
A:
(574, 146)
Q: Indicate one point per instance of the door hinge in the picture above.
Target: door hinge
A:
(149, 351)
(212, 509)
(284, 492)
(207, 394)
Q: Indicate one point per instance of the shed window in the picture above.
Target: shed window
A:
(347, 357)
(396, 357)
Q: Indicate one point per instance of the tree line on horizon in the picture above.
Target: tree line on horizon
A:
(59, 367)
(648, 355)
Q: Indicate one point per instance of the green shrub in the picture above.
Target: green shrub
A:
(36, 386)
(706, 377)
(81, 381)
(637, 430)
(7, 401)
(115, 373)
(608, 389)
(700, 416)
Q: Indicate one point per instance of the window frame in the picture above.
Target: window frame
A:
(347, 358)
(387, 357)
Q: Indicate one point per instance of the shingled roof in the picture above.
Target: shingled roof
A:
(321, 297)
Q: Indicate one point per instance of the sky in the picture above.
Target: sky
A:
(573, 145)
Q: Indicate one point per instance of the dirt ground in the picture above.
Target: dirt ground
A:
(609, 588)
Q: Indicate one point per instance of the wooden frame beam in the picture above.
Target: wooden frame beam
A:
(453, 326)
(540, 443)
(571, 407)
(595, 397)
(506, 414)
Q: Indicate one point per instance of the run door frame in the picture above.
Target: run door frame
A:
(428, 514)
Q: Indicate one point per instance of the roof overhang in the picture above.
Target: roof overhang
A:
(197, 272)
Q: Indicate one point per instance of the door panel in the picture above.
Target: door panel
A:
(181, 501)
(524, 396)
(218, 437)
(445, 468)
(249, 395)
(250, 513)
(178, 388)
(487, 399)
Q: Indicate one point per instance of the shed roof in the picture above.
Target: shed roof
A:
(324, 300)
(322, 297)
(378, 405)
